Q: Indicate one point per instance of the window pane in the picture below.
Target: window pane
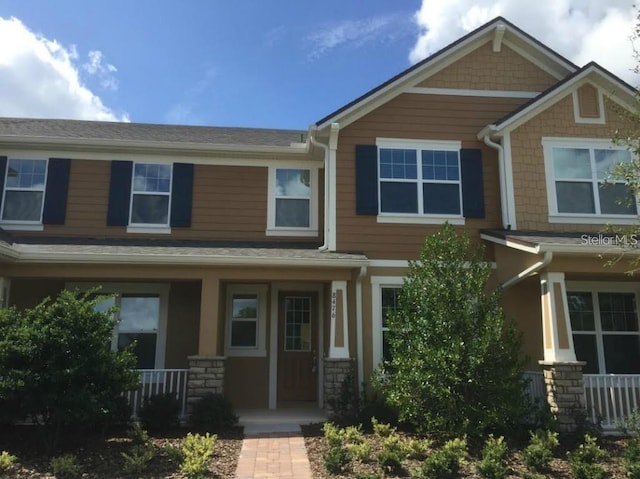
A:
(297, 323)
(574, 197)
(293, 183)
(139, 313)
(22, 205)
(244, 334)
(581, 311)
(571, 163)
(152, 177)
(621, 354)
(398, 197)
(616, 199)
(585, 345)
(292, 213)
(245, 306)
(26, 173)
(606, 160)
(145, 348)
(440, 165)
(441, 198)
(400, 164)
(618, 311)
(150, 209)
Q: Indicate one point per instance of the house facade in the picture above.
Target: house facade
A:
(263, 261)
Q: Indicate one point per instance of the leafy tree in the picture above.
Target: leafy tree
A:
(56, 366)
(456, 364)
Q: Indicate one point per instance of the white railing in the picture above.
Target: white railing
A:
(159, 381)
(611, 398)
(535, 390)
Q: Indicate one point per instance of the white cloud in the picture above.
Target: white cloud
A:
(104, 71)
(357, 33)
(40, 78)
(580, 30)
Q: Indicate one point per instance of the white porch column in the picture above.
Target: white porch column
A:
(339, 331)
(5, 287)
(556, 324)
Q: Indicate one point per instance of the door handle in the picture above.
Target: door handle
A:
(314, 361)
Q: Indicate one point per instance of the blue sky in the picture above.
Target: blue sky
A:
(272, 63)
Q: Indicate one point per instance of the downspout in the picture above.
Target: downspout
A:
(315, 142)
(530, 271)
(359, 334)
(504, 200)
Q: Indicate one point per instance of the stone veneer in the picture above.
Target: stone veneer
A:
(335, 372)
(206, 375)
(565, 392)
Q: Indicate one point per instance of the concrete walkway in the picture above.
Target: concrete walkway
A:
(273, 446)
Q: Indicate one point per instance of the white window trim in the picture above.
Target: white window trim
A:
(377, 283)
(162, 228)
(600, 119)
(419, 218)
(19, 225)
(161, 289)
(312, 229)
(548, 143)
(607, 287)
(260, 350)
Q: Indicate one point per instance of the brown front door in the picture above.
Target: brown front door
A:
(297, 347)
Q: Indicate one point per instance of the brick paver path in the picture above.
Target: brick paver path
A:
(274, 455)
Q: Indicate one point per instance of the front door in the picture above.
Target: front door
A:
(297, 347)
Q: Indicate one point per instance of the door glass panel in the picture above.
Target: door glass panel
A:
(297, 331)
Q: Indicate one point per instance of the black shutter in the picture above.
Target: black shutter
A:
(3, 171)
(472, 183)
(119, 193)
(55, 196)
(182, 195)
(366, 180)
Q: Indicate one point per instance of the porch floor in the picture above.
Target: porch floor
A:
(268, 421)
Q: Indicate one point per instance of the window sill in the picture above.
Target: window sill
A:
(419, 220)
(594, 219)
(290, 232)
(161, 230)
(22, 226)
(245, 353)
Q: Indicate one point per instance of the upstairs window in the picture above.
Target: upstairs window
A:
(292, 206)
(577, 176)
(150, 194)
(24, 189)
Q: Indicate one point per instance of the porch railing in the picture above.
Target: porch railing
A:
(159, 381)
(611, 398)
(536, 389)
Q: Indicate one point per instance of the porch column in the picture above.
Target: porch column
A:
(5, 287)
(206, 369)
(338, 366)
(562, 372)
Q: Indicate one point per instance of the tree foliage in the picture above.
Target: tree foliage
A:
(456, 364)
(56, 365)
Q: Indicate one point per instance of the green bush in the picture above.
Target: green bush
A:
(456, 363)
(160, 412)
(538, 454)
(57, 368)
(418, 448)
(583, 461)
(66, 467)
(137, 460)
(7, 461)
(353, 434)
(492, 464)
(337, 459)
(445, 462)
(212, 413)
(197, 451)
(391, 455)
(380, 429)
(138, 435)
(361, 452)
(333, 435)
(631, 458)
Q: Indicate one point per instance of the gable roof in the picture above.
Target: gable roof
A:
(556, 63)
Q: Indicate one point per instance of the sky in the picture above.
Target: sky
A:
(267, 63)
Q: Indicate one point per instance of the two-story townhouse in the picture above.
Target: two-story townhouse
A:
(264, 260)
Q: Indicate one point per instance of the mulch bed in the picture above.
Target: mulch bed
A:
(100, 457)
(317, 448)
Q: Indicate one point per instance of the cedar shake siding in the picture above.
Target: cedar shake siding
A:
(484, 69)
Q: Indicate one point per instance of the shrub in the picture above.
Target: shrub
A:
(583, 461)
(212, 413)
(538, 454)
(361, 452)
(445, 463)
(7, 461)
(456, 364)
(492, 465)
(66, 467)
(391, 455)
(55, 365)
(382, 430)
(337, 459)
(353, 434)
(136, 461)
(631, 458)
(418, 448)
(332, 434)
(197, 451)
(160, 412)
(138, 435)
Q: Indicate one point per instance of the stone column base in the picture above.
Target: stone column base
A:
(565, 392)
(206, 376)
(336, 371)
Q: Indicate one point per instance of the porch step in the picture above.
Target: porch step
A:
(270, 421)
